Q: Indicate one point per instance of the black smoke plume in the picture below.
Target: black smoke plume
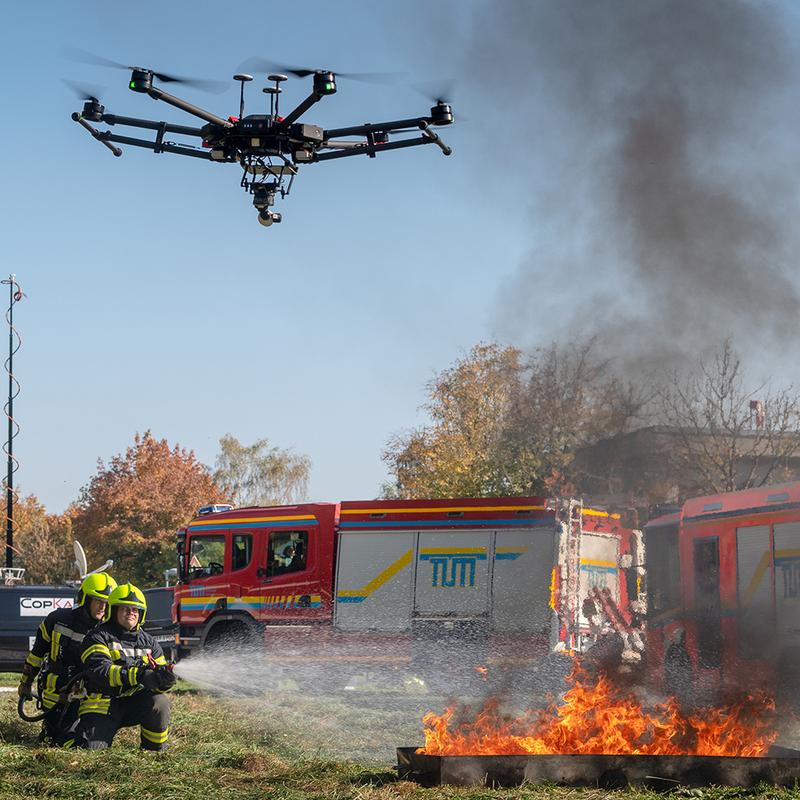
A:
(656, 139)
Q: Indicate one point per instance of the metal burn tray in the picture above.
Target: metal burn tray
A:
(781, 768)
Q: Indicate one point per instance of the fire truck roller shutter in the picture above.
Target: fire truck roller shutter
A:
(523, 563)
(374, 575)
(787, 582)
(452, 574)
(754, 589)
(452, 611)
(787, 608)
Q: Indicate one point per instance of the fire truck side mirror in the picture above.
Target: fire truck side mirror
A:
(181, 550)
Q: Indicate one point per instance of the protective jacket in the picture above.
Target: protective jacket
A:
(58, 644)
(114, 661)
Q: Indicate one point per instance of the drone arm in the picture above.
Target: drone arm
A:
(167, 127)
(96, 134)
(298, 112)
(371, 127)
(158, 94)
(372, 149)
(434, 137)
(156, 147)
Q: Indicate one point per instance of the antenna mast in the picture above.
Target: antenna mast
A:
(14, 343)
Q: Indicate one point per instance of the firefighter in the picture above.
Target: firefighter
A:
(126, 674)
(56, 652)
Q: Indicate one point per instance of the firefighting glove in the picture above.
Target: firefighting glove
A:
(166, 679)
(149, 679)
(25, 690)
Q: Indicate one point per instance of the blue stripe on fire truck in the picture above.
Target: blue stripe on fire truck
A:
(224, 526)
(446, 523)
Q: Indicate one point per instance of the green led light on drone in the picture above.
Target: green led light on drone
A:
(131, 85)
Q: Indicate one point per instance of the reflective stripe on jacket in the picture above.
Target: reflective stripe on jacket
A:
(59, 642)
(114, 660)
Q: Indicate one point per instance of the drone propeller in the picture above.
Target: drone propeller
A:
(256, 64)
(82, 91)
(440, 91)
(85, 57)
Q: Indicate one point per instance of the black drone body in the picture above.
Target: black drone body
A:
(269, 147)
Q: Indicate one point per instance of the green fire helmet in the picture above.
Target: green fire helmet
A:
(126, 594)
(99, 585)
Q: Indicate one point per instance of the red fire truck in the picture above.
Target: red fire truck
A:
(724, 588)
(510, 574)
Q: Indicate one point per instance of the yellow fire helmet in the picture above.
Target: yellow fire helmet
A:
(99, 585)
(126, 594)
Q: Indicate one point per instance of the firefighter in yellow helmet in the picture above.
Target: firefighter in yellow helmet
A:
(126, 675)
(56, 655)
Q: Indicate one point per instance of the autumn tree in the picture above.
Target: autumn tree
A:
(43, 543)
(461, 452)
(261, 474)
(131, 508)
(503, 423)
(724, 435)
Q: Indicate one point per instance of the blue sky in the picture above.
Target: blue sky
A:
(155, 300)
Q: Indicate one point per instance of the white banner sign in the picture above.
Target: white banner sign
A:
(42, 606)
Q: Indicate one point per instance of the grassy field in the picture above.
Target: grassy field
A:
(276, 746)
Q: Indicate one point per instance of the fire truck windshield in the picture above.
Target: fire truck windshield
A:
(206, 556)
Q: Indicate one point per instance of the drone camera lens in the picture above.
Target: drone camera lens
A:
(267, 218)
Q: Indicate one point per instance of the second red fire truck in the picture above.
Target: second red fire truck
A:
(724, 591)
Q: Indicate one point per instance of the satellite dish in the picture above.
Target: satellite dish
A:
(80, 559)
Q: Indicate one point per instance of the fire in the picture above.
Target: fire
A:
(603, 718)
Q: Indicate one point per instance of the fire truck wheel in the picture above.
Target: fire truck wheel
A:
(230, 635)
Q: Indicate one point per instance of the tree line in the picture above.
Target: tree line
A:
(132, 506)
(506, 422)
(500, 422)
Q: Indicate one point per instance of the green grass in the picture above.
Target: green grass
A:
(281, 746)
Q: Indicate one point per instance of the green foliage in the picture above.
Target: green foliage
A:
(261, 474)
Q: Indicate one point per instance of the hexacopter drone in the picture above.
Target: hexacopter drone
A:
(268, 147)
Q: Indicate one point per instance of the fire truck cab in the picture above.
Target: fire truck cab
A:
(724, 583)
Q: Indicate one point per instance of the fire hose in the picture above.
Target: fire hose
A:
(63, 700)
(164, 671)
(66, 695)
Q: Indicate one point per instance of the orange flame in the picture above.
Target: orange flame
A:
(604, 718)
